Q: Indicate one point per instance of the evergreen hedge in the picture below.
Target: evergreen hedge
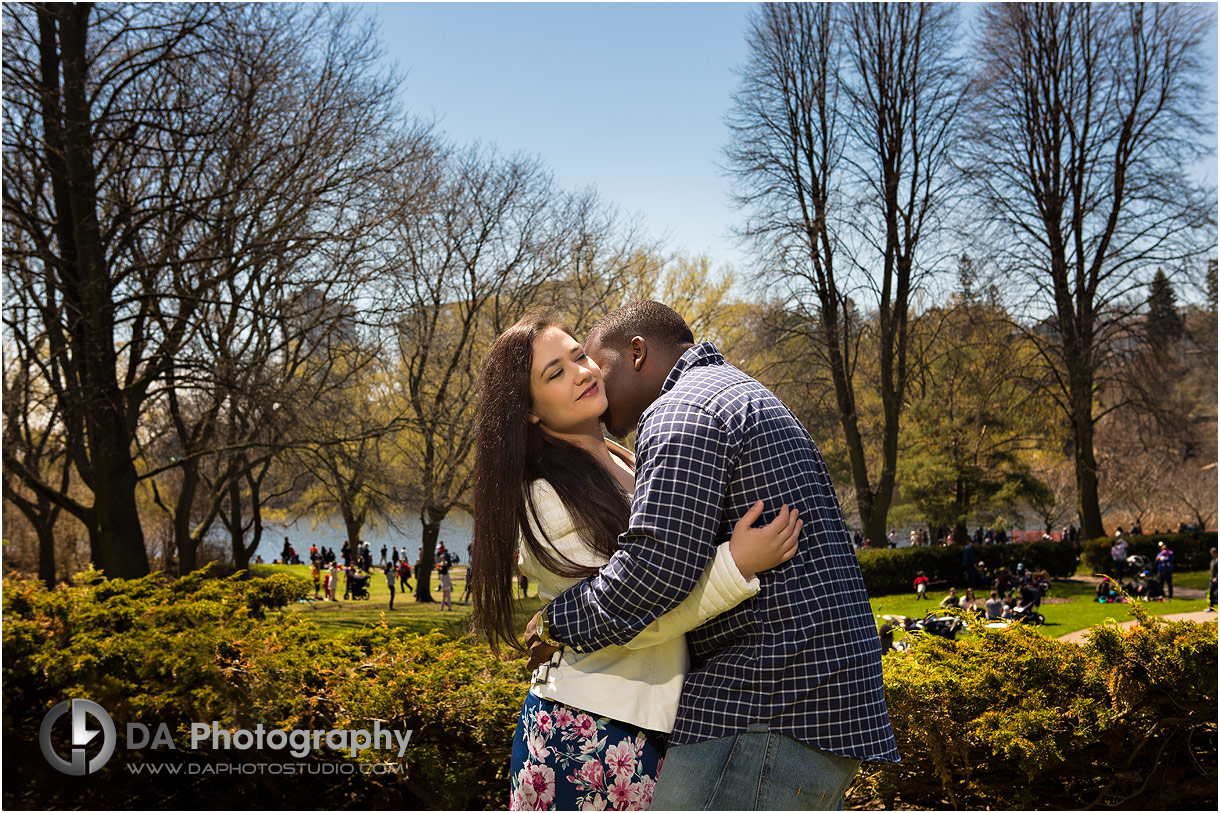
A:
(197, 650)
(1008, 720)
(1191, 550)
(893, 570)
(1003, 719)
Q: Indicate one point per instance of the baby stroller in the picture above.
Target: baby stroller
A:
(946, 626)
(1028, 613)
(1138, 564)
(360, 586)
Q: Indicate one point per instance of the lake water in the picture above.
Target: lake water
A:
(457, 529)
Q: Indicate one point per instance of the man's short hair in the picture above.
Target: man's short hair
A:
(657, 323)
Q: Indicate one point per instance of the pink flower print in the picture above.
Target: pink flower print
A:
(544, 723)
(647, 787)
(623, 794)
(537, 787)
(585, 726)
(593, 745)
(620, 759)
(537, 747)
(514, 801)
(593, 775)
(640, 742)
(595, 803)
(564, 717)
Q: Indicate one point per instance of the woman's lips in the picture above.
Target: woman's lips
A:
(592, 389)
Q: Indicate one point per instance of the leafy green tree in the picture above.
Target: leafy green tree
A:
(971, 421)
(1163, 325)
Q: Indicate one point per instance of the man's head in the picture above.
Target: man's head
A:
(636, 347)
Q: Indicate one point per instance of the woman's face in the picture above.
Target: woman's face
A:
(565, 385)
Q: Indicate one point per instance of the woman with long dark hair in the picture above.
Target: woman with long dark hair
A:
(551, 496)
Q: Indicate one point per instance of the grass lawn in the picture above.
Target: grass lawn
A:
(1068, 607)
(339, 616)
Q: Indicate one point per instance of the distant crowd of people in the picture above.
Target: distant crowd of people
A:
(1012, 595)
(925, 537)
(355, 571)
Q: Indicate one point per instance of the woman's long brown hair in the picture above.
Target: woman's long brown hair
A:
(510, 454)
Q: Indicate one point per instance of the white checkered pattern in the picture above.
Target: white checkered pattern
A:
(803, 655)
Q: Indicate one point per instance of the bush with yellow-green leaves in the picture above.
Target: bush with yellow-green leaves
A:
(1010, 720)
(1004, 719)
(200, 650)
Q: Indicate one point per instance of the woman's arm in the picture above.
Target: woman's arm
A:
(721, 587)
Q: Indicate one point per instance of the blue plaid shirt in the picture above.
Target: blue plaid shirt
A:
(801, 656)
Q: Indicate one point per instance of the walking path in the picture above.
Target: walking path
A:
(1198, 617)
(1179, 594)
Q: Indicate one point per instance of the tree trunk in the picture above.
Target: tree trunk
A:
(233, 518)
(187, 543)
(242, 551)
(1086, 469)
(354, 525)
(431, 520)
(88, 304)
(872, 521)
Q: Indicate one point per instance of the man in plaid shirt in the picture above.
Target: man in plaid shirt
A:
(784, 697)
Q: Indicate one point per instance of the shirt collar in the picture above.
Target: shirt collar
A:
(699, 355)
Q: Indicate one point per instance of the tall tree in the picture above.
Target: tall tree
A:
(1083, 125)
(1163, 325)
(89, 93)
(842, 127)
(180, 175)
(33, 435)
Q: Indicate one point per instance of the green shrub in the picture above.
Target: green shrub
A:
(1010, 720)
(194, 650)
(892, 570)
(1190, 549)
(1003, 720)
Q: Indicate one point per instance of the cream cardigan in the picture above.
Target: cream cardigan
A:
(638, 683)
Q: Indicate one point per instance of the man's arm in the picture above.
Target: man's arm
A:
(683, 461)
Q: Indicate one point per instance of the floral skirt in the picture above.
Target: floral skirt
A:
(566, 759)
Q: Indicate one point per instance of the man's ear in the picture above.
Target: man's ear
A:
(639, 352)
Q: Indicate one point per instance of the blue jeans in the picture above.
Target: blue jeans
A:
(755, 770)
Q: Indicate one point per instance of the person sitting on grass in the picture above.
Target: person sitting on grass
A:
(1149, 587)
(921, 586)
(1107, 591)
(995, 606)
(950, 600)
(1005, 581)
(969, 604)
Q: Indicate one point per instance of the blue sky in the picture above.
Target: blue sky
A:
(626, 97)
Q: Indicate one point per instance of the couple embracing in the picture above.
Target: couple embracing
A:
(676, 632)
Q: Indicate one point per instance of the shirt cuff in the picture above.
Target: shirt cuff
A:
(725, 584)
